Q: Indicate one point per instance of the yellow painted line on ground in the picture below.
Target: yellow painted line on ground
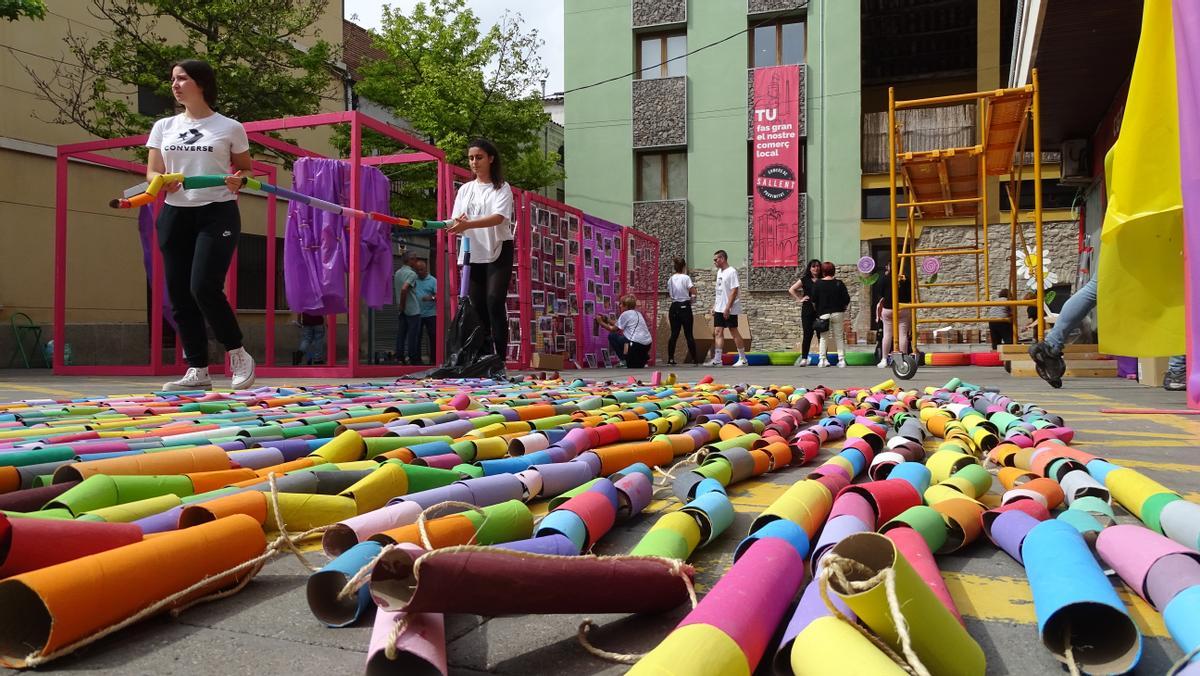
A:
(6, 385)
(1009, 599)
(1146, 443)
(1162, 466)
(1126, 433)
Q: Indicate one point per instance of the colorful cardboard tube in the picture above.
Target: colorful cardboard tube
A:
(834, 532)
(345, 534)
(889, 497)
(1082, 521)
(925, 520)
(49, 609)
(445, 531)
(855, 505)
(918, 554)
(1041, 489)
(502, 522)
(674, 536)
(132, 511)
(938, 639)
(1132, 550)
(1182, 617)
(770, 571)
(831, 646)
(564, 523)
(31, 544)
(634, 492)
(323, 587)
(1079, 484)
(595, 510)
(694, 650)
(713, 511)
(182, 461)
(377, 488)
(420, 647)
(102, 490)
(810, 608)
(32, 499)
(1180, 521)
(203, 482)
(1008, 532)
(250, 503)
(345, 447)
(805, 503)
(914, 473)
(780, 528)
(943, 464)
(494, 581)
(1031, 507)
(303, 512)
(1075, 603)
(1133, 490)
(963, 523)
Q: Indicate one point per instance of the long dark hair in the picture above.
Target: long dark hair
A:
(808, 268)
(497, 168)
(204, 76)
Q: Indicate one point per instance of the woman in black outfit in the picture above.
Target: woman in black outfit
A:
(682, 292)
(803, 291)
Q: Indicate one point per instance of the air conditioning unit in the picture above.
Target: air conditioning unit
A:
(1075, 162)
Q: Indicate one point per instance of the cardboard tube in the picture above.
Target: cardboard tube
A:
(420, 646)
(780, 528)
(493, 581)
(674, 536)
(445, 531)
(345, 447)
(918, 554)
(1170, 575)
(32, 499)
(770, 571)
(1182, 617)
(1180, 521)
(302, 512)
(132, 511)
(1078, 484)
(713, 511)
(854, 504)
(694, 650)
(595, 510)
(1008, 531)
(49, 609)
(939, 640)
(31, 544)
(203, 482)
(830, 646)
(345, 534)
(914, 473)
(889, 497)
(963, 523)
(926, 521)
(810, 608)
(943, 464)
(1132, 489)
(1075, 603)
(1132, 550)
(102, 490)
(182, 461)
(805, 503)
(374, 490)
(323, 587)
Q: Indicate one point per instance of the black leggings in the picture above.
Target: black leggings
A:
(808, 317)
(680, 315)
(489, 294)
(197, 245)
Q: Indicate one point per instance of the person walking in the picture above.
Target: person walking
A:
(682, 292)
(426, 290)
(803, 291)
(408, 315)
(727, 306)
(832, 299)
(884, 311)
(198, 229)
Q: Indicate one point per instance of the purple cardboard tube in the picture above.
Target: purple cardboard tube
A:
(161, 522)
(257, 458)
(810, 608)
(554, 544)
(835, 530)
(561, 477)
(1009, 530)
(426, 499)
(492, 490)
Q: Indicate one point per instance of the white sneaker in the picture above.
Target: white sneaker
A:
(715, 362)
(841, 362)
(741, 362)
(823, 364)
(242, 365)
(800, 361)
(196, 378)
(883, 363)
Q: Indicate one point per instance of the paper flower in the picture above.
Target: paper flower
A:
(930, 265)
(1026, 268)
(866, 265)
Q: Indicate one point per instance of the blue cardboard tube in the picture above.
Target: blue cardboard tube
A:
(564, 522)
(514, 465)
(1075, 603)
(430, 448)
(714, 512)
(554, 544)
(914, 473)
(1182, 616)
(856, 458)
(1099, 469)
(783, 529)
(707, 486)
(325, 584)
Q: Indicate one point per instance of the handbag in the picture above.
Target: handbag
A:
(821, 325)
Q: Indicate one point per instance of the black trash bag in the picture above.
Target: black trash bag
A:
(469, 350)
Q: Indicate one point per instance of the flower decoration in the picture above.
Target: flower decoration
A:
(1026, 267)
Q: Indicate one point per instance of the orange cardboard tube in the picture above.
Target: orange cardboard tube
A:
(44, 611)
(182, 461)
(619, 456)
(249, 503)
(203, 482)
(284, 468)
(446, 531)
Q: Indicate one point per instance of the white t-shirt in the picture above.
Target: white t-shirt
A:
(678, 286)
(478, 200)
(198, 147)
(727, 281)
(633, 326)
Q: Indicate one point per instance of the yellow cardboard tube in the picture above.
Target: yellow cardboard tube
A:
(139, 509)
(490, 448)
(1131, 488)
(694, 650)
(375, 489)
(830, 646)
(941, 493)
(843, 463)
(304, 511)
(943, 464)
(806, 503)
(345, 447)
(940, 642)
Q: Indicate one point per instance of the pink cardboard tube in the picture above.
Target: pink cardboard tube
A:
(1131, 550)
(345, 534)
(912, 545)
(420, 645)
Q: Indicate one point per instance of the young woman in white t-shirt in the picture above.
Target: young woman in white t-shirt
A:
(682, 292)
(198, 229)
(483, 212)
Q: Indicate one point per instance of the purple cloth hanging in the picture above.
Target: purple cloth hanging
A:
(146, 234)
(315, 253)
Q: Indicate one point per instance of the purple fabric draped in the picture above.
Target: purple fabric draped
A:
(315, 250)
(146, 234)
(1186, 17)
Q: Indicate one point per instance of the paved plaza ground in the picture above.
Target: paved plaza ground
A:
(267, 628)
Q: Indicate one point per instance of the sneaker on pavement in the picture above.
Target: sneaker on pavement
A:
(1048, 363)
(196, 378)
(1174, 382)
(715, 362)
(741, 362)
(883, 363)
(841, 363)
(242, 365)
(823, 364)
(801, 361)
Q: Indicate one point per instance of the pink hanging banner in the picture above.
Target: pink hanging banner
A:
(776, 162)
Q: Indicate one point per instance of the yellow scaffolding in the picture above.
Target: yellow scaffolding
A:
(952, 182)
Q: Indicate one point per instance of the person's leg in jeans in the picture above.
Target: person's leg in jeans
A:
(618, 343)
(1047, 354)
(835, 328)
(675, 316)
(413, 339)
(1175, 379)
(402, 338)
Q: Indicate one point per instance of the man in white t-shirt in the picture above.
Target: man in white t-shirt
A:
(727, 306)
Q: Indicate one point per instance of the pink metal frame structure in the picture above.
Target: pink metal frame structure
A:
(258, 132)
(647, 291)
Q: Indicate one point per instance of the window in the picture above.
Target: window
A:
(777, 44)
(1054, 195)
(662, 56)
(151, 104)
(875, 204)
(662, 176)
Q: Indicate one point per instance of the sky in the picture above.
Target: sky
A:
(544, 15)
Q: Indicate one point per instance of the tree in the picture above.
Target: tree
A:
(263, 73)
(453, 82)
(15, 9)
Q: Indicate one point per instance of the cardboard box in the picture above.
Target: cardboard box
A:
(702, 329)
(1150, 370)
(553, 362)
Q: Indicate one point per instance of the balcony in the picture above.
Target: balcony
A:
(648, 13)
(660, 112)
(920, 129)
